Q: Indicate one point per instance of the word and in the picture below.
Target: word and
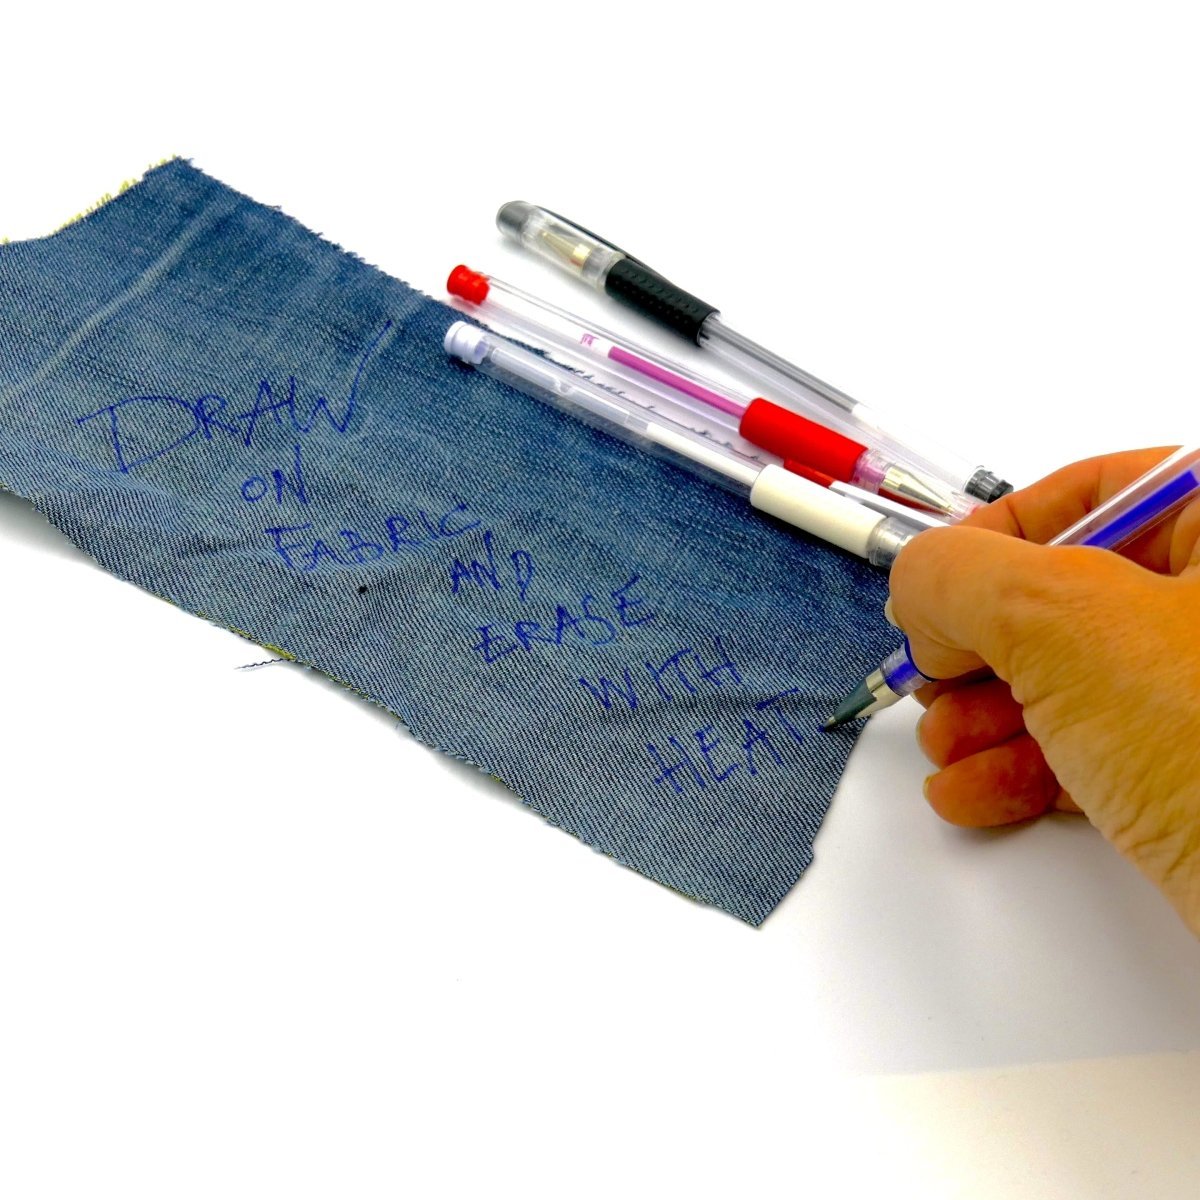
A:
(486, 574)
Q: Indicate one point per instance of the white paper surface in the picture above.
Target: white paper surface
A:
(257, 941)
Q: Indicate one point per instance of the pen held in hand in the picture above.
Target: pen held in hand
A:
(1134, 510)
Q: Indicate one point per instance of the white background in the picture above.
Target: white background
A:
(255, 941)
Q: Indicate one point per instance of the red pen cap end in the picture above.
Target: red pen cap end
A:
(468, 284)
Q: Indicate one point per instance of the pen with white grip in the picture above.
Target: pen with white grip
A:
(771, 489)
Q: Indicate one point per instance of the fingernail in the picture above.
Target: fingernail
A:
(888, 615)
(925, 785)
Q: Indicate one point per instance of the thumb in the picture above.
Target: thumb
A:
(971, 598)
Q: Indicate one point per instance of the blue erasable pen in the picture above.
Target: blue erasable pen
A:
(1149, 499)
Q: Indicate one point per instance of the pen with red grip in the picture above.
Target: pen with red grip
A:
(780, 431)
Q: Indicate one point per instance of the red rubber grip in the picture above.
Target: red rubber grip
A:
(792, 436)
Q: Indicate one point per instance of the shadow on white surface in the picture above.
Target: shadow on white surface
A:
(938, 948)
(20, 522)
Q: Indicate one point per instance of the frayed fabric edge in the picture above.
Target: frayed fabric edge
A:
(107, 198)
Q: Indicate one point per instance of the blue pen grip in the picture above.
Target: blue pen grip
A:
(901, 674)
(1148, 511)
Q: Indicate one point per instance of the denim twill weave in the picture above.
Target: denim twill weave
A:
(257, 426)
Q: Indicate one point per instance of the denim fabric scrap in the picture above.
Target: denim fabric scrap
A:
(255, 425)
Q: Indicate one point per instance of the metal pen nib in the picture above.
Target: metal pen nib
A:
(896, 677)
(907, 485)
(862, 702)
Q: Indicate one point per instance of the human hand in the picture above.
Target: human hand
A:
(1070, 676)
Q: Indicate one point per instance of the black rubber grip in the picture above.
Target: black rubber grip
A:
(658, 298)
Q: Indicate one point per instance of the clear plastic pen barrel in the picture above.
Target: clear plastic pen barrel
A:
(612, 271)
(559, 242)
(565, 336)
(1151, 498)
(718, 410)
(602, 409)
(771, 489)
(823, 401)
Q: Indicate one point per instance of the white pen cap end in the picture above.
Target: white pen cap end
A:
(467, 342)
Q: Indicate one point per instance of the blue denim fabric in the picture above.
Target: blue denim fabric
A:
(257, 426)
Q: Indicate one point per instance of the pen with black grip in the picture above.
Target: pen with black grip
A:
(611, 270)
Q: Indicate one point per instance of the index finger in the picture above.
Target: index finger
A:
(1044, 509)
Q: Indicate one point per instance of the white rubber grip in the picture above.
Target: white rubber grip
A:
(815, 509)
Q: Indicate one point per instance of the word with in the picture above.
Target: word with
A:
(684, 669)
(714, 759)
(485, 574)
(138, 425)
(577, 623)
(399, 536)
